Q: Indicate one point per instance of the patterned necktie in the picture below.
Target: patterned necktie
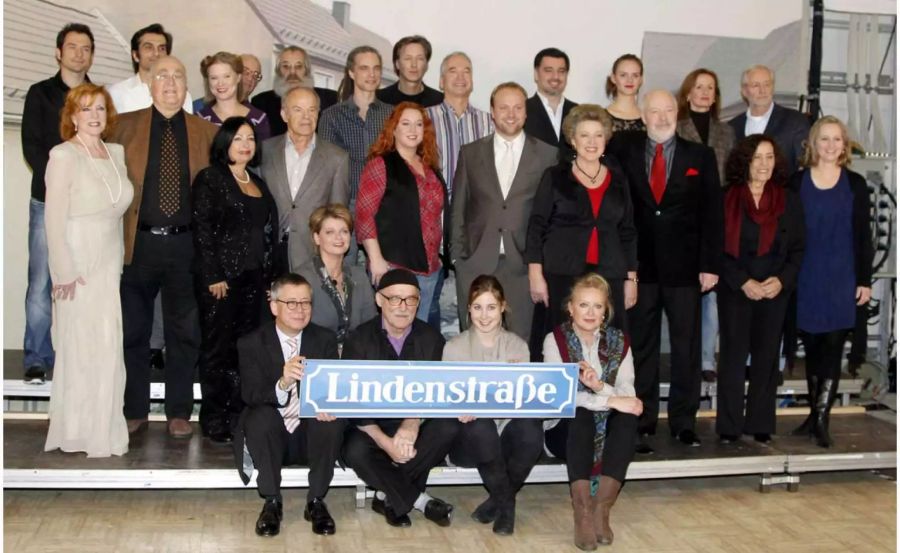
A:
(658, 174)
(291, 412)
(169, 172)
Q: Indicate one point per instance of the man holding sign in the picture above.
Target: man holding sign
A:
(394, 456)
(270, 433)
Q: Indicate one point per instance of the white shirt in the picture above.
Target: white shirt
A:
(281, 395)
(297, 164)
(506, 172)
(132, 94)
(555, 117)
(756, 124)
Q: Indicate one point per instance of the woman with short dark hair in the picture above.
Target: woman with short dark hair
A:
(235, 225)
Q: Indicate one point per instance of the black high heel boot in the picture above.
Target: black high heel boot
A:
(812, 386)
(827, 393)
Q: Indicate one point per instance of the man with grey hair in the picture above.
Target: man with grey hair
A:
(678, 213)
(165, 148)
(292, 69)
(788, 127)
(456, 123)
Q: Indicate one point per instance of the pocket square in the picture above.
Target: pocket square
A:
(691, 172)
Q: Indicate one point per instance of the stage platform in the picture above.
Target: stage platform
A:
(157, 462)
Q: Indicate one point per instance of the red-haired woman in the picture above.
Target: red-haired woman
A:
(401, 200)
(87, 192)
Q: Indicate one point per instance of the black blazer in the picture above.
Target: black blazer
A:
(683, 235)
(261, 364)
(270, 103)
(561, 222)
(538, 125)
(221, 223)
(863, 248)
(369, 342)
(788, 127)
(787, 249)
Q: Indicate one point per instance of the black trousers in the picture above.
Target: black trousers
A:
(754, 328)
(401, 483)
(682, 307)
(572, 440)
(824, 352)
(160, 264)
(222, 322)
(314, 443)
(558, 289)
(504, 460)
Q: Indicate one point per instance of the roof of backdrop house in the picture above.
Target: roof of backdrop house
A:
(668, 57)
(29, 41)
(315, 29)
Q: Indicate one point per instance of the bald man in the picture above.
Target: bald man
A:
(165, 147)
(304, 172)
(678, 214)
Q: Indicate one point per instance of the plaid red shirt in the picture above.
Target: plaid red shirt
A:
(372, 183)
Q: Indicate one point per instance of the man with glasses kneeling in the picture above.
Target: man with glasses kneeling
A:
(394, 456)
(270, 433)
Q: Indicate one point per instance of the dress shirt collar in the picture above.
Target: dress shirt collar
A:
(158, 117)
(446, 106)
(283, 340)
(764, 117)
(546, 102)
(291, 150)
(518, 143)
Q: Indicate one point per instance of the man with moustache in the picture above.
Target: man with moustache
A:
(679, 218)
(270, 433)
(493, 188)
(548, 107)
(40, 133)
(291, 70)
(147, 45)
(303, 172)
(165, 148)
(394, 456)
(411, 57)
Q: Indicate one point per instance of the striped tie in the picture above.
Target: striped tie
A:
(291, 412)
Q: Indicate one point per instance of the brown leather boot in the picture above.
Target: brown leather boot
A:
(585, 537)
(602, 504)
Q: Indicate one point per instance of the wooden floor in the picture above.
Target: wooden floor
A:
(832, 512)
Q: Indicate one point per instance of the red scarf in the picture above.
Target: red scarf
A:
(739, 200)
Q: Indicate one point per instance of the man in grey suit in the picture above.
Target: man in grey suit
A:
(493, 189)
(303, 172)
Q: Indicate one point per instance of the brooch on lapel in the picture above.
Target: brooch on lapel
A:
(691, 172)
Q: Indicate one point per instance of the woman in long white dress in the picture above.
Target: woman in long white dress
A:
(87, 192)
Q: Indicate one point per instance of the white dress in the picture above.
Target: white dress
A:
(84, 238)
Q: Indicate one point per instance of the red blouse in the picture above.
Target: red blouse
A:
(592, 256)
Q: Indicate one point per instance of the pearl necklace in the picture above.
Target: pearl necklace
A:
(246, 177)
(115, 200)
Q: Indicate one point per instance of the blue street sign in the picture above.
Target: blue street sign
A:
(432, 389)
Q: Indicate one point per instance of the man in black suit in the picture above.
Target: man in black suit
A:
(548, 107)
(394, 456)
(291, 70)
(787, 126)
(678, 214)
(270, 433)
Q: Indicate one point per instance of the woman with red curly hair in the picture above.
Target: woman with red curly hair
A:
(401, 200)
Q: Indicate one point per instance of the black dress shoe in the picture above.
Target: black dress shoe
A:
(505, 524)
(763, 438)
(269, 521)
(438, 511)
(317, 512)
(728, 438)
(157, 361)
(392, 518)
(219, 435)
(35, 375)
(642, 447)
(689, 438)
(486, 512)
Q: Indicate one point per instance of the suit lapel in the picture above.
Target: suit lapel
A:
(688, 131)
(638, 167)
(526, 162)
(139, 150)
(544, 118)
(774, 122)
(281, 186)
(315, 166)
(489, 168)
(678, 171)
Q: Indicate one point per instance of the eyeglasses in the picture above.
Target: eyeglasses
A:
(177, 77)
(257, 76)
(395, 301)
(304, 305)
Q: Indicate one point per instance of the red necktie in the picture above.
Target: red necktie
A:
(658, 174)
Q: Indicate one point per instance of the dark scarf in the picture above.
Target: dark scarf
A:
(611, 350)
(739, 200)
(341, 303)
